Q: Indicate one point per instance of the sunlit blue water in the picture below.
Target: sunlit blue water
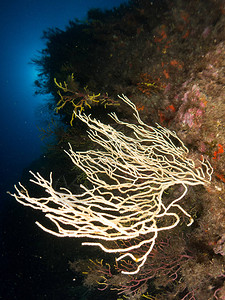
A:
(22, 24)
(28, 256)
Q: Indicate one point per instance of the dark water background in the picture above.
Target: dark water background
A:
(33, 264)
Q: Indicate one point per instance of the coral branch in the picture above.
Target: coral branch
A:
(129, 175)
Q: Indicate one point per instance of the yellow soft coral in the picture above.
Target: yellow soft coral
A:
(79, 99)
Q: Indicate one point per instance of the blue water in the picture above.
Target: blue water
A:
(22, 24)
(28, 271)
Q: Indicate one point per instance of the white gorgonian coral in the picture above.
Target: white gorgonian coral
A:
(129, 175)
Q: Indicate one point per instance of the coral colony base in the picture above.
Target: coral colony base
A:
(129, 175)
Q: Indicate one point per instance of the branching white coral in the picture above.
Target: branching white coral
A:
(129, 175)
